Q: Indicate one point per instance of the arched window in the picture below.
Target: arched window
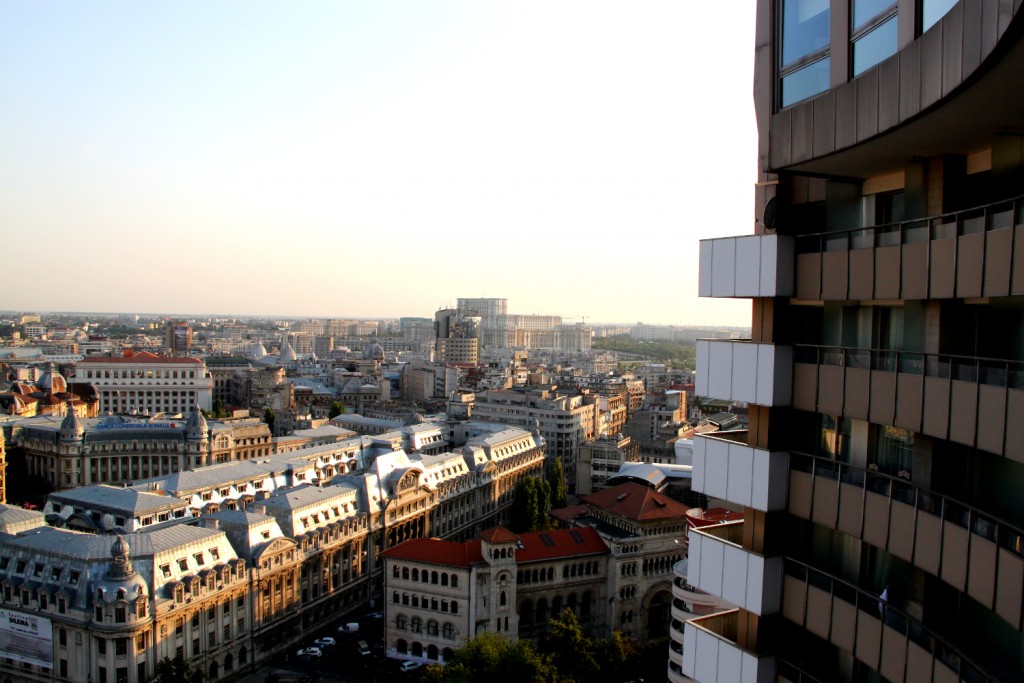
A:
(405, 572)
(448, 631)
(394, 571)
(455, 580)
(455, 606)
(416, 625)
(433, 577)
(503, 599)
(415, 574)
(431, 628)
(394, 597)
(444, 579)
(400, 622)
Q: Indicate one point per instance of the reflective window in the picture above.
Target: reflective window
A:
(875, 45)
(805, 28)
(804, 63)
(805, 82)
(933, 10)
(863, 11)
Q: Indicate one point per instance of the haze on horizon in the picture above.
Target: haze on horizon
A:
(374, 159)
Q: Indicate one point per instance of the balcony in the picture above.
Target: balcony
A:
(733, 471)
(744, 371)
(746, 267)
(720, 566)
(886, 639)
(970, 550)
(959, 398)
(978, 252)
(711, 652)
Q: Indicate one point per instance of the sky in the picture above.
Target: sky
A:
(374, 159)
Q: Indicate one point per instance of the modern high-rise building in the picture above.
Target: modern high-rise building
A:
(883, 535)
(178, 338)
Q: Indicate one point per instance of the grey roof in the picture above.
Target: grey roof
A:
(190, 481)
(652, 474)
(88, 546)
(116, 498)
(302, 496)
(14, 518)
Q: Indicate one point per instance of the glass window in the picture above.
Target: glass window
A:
(933, 10)
(805, 29)
(875, 45)
(864, 11)
(805, 82)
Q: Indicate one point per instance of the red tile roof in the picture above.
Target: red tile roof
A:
(636, 502)
(568, 514)
(547, 545)
(531, 547)
(141, 357)
(436, 551)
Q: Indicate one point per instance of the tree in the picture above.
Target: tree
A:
(177, 670)
(492, 657)
(269, 417)
(572, 653)
(218, 408)
(559, 490)
(337, 408)
(525, 506)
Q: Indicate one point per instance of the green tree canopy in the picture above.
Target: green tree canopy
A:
(492, 657)
(177, 670)
(337, 408)
(269, 417)
(526, 515)
(572, 653)
(559, 489)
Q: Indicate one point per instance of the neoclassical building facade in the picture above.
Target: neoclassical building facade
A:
(247, 556)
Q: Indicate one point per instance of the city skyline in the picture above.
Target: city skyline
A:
(289, 161)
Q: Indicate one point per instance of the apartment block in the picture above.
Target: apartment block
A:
(883, 538)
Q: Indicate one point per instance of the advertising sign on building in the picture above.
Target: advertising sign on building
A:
(26, 638)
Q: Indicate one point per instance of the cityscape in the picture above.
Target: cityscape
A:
(812, 476)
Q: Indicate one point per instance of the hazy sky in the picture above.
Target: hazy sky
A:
(375, 158)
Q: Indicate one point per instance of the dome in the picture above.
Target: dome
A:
(196, 428)
(52, 381)
(257, 351)
(415, 419)
(71, 428)
(373, 351)
(287, 354)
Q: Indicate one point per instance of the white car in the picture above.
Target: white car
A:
(326, 641)
(310, 652)
(409, 665)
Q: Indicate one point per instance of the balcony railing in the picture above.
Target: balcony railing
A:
(746, 266)
(886, 639)
(719, 565)
(971, 253)
(961, 398)
(970, 549)
(711, 652)
(754, 477)
(740, 370)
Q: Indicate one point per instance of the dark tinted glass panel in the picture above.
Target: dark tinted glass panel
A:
(866, 10)
(874, 46)
(805, 28)
(807, 82)
(933, 10)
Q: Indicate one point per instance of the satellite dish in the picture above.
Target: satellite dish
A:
(770, 214)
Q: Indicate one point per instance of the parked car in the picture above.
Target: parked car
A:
(363, 648)
(310, 652)
(326, 641)
(375, 615)
(409, 665)
(351, 627)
